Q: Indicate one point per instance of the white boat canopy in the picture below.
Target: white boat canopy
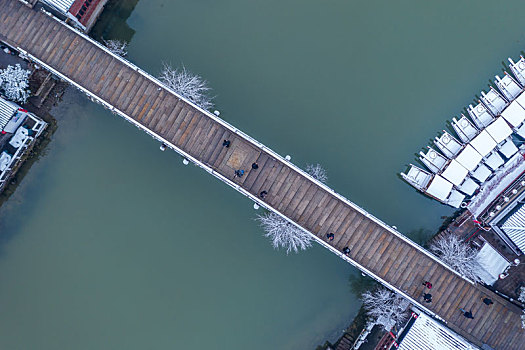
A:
(518, 69)
(491, 264)
(464, 128)
(483, 143)
(514, 228)
(448, 144)
(455, 199)
(469, 158)
(455, 173)
(508, 86)
(468, 187)
(439, 188)
(481, 173)
(499, 130)
(494, 101)
(508, 148)
(521, 100)
(433, 160)
(494, 160)
(514, 114)
(480, 115)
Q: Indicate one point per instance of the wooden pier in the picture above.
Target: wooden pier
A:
(376, 248)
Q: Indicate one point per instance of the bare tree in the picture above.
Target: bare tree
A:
(458, 255)
(317, 172)
(385, 307)
(284, 234)
(14, 83)
(188, 85)
(117, 47)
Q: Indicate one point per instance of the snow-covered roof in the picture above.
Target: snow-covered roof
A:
(468, 186)
(480, 115)
(61, 5)
(514, 114)
(499, 130)
(455, 172)
(448, 144)
(494, 101)
(5, 160)
(514, 228)
(7, 110)
(455, 199)
(481, 173)
(494, 160)
(427, 334)
(508, 86)
(508, 148)
(483, 143)
(464, 128)
(491, 264)
(439, 188)
(469, 157)
(521, 99)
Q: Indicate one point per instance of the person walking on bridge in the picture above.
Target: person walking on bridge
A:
(467, 314)
(427, 284)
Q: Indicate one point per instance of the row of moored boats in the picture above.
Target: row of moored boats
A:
(483, 142)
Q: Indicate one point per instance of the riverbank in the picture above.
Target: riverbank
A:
(47, 93)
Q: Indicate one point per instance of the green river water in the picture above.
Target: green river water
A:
(109, 243)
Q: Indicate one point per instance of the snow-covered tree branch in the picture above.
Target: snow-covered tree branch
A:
(117, 47)
(457, 255)
(188, 85)
(521, 297)
(14, 83)
(523, 319)
(385, 307)
(284, 234)
(317, 172)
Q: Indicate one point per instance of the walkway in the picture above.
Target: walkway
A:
(376, 248)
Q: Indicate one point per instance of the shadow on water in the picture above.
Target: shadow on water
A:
(360, 284)
(112, 24)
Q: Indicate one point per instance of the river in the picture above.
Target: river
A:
(109, 243)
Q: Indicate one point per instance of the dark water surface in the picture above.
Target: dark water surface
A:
(109, 243)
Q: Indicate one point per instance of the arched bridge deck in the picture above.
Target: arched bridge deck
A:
(376, 248)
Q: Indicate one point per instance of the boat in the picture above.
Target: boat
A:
(485, 144)
(433, 160)
(494, 101)
(434, 186)
(480, 115)
(518, 69)
(464, 128)
(448, 145)
(509, 87)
